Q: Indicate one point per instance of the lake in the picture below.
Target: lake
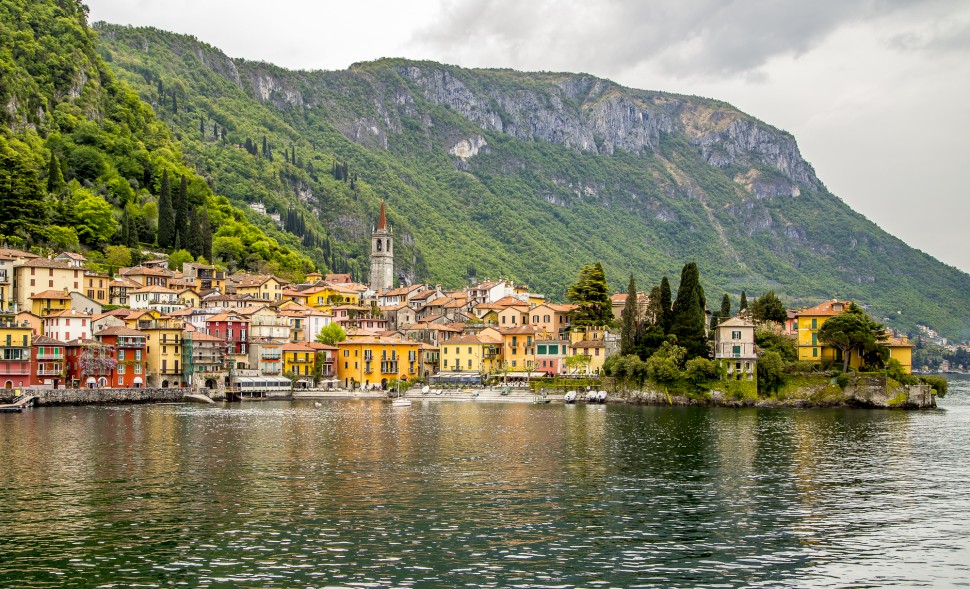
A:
(442, 494)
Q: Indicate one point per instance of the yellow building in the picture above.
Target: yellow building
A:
(471, 353)
(40, 274)
(808, 322)
(96, 287)
(189, 298)
(298, 359)
(900, 349)
(164, 348)
(266, 287)
(325, 296)
(374, 361)
(592, 343)
(518, 348)
(50, 301)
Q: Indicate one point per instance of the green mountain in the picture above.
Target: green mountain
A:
(528, 175)
(82, 158)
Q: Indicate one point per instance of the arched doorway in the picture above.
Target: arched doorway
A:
(210, 383)
(102, 382)
(384, 383)
(164, 384)
(8, 385)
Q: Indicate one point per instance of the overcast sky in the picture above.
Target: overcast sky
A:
(877, 92)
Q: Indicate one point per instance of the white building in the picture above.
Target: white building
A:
(158, 298)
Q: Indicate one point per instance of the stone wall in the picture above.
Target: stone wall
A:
(49, 397)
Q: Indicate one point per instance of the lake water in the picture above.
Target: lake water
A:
(360, 494)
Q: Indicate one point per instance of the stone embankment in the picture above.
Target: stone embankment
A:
(49, 397)
(865, 391)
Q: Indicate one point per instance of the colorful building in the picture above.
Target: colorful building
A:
(471, 353)
(50, 301)
(374, 361)
(15, 352)
(128, 347)
(809, 321)
(48, 360)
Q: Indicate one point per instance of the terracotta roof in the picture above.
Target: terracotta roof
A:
(298, 347)
(226, 317)
(377, 340)
(121, 331)
(143, 271)
(198, 336)
(895, 342)
(589, 343)
(319, 346)
(155, 288)
(467, 339)
(121, 281)
(14, 253)
(70, 313)
(825, 309)
(73, 256)
(45, 263)
(43, 340)
(735, 322)
(52, 294)
(511, 301)
(424, 294)
(338, 278)
(521, 330)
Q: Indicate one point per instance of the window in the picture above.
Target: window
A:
(121, 369)
(814, 323)
(138, 355)
(814, 339)
(121, 355)
(535, 318)
(469, 363)
(446, 363)
(814, 352)
(735, 335)
(736, 351)
(541, 349)
(469, 349)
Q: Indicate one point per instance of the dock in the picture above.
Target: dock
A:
(19, 404)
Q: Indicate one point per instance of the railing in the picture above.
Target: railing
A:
(49, 372)
(47, 356)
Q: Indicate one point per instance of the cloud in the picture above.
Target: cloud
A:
(678, 39)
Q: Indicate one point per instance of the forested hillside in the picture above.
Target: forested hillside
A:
(85, 164)
(490, 172)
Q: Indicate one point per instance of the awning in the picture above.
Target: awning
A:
(523, 374)
(457, 377)
(91, 380)
(264, 381)
(137, 380)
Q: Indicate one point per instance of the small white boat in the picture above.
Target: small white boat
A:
(569, 397)
(401, 402)
(590, 396)
(601, 397)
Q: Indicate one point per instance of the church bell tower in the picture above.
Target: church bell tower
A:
(382, 255)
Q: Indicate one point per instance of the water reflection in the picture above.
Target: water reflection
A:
(358, 493)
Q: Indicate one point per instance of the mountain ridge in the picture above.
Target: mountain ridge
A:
(534, 157)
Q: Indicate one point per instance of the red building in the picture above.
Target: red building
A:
(129, 354)
(231, 328)
(48, 362)
(88, 363)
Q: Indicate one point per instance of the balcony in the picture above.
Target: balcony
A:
(130, 342)
(271, 357)
(49, 356)
(49, 371)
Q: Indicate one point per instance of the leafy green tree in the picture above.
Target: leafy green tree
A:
(631, 309)
(61, 238)
(771, 373)
(770, 340)
(744, 302)
(701, 370)
(852, 331)
(577, 363)
(94, 217)
(665, 364)
(689, 320)
(768, 307)
(331, 334)
(591, 294)
(117, 256)
(22, 208)
(166, 214)
(86, 163)
(177, 258)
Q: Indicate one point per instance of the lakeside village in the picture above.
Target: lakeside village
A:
(65, 326)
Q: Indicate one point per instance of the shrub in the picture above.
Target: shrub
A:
(939, 384)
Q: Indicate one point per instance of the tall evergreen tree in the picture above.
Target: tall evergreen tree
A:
(725, 307)
(181, 206)
(202, 125)
(666, 304)
(55, 179)
(689, 321)
(265, 148)
(592, 296)
(205, 233)
(628, 333)
(166, 214)
(194, 234)
(744, 302)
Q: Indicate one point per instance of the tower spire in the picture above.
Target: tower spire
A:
(382, 220)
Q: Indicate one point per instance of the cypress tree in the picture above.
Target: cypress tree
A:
(175, 102)
(166, 214)
(181, 206)
(202, 125)
(194, 234)
(689, 322)
(666, 302)
(265, 149)
(55, 179)
(744, 302)
(178, 241)
(628, 333)
(205, 233)
(725, 307)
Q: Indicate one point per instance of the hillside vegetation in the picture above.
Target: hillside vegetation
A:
(485, 172)
(82, 157)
